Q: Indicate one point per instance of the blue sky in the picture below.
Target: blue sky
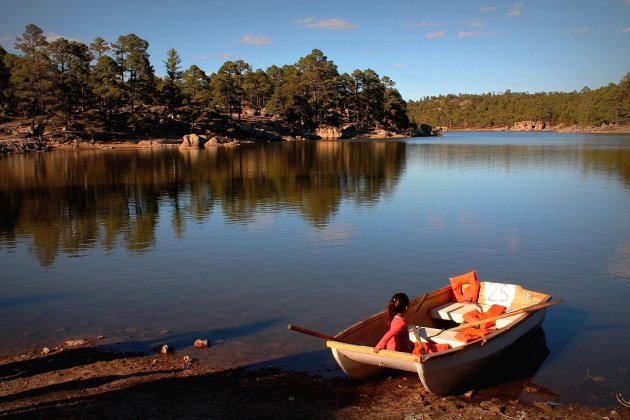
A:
(428, 47)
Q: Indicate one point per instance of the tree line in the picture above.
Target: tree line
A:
(589, 107)
(111, 85)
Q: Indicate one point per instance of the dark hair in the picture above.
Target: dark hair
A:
(397, 304)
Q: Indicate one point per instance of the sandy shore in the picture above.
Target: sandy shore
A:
(86, 382)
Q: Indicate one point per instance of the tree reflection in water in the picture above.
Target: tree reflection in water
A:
(70, 201)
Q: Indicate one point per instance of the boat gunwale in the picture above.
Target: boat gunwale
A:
(390, 354)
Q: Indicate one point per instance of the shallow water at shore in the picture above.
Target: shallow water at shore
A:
(232, 244)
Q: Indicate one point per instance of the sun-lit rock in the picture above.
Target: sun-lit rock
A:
(201, 344)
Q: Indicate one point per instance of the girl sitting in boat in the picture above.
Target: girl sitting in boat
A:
(397, 337)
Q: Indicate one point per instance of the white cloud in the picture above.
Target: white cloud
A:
(473, 23)
(199, 57)
(488, 9)
(51, 37)
(399, 66)
(334, 24)
(7, 41)
(435, 35)
(225, 56)
(577, 30)
(464, 34)
(515, 11)
(258, 40)
(426, 23)
(627, 29)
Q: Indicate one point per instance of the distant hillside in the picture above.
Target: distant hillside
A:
(587, 108)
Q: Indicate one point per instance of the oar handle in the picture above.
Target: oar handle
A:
(506, 314)
(311, 332)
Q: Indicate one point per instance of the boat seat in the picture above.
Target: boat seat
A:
(436, 335)
(454, 311)
(500, 323)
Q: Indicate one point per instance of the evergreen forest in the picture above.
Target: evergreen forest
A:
(112, 85)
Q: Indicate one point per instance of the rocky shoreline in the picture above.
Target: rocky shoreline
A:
(545, 126)
(81, 381)
(21, 136)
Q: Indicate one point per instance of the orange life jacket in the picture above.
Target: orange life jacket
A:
(475, 315)
(428, 348)
(471, 334)
(466, 287)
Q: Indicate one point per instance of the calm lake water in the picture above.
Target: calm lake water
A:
(232, 244)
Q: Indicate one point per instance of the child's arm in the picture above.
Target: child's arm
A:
(396, 326)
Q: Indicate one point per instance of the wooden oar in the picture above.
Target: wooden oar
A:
(313, 333)
(506, 314)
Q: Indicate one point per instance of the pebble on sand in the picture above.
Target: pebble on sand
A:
(201, 344)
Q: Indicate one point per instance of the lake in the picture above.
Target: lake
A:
(233, 243)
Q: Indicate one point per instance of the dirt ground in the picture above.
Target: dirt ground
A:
(84, 382)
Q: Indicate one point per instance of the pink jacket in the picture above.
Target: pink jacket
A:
(397, 337)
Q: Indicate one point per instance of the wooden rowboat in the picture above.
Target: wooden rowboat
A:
(432, 316)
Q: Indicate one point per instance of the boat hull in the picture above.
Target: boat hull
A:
(442, 375)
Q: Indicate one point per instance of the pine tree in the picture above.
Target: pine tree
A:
(172, 82)
(32, 76)
(99, 47)
(133, 59)
(4, 81)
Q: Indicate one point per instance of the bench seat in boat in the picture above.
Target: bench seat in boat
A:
(436, 335)
(454, 311)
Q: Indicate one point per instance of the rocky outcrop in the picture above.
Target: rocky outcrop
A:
(192, 141)
(196, 142)
(424, 130)
(529, 126)
(24, 145)
(255, 133)
(331, 132)
(328, 132)
(216, 140)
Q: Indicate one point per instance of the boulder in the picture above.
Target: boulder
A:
(331, 132)
(201, 344)
(212, 141)
(192, 141)
(328, 132)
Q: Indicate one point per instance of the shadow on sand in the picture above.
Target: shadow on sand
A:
(258, 391)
